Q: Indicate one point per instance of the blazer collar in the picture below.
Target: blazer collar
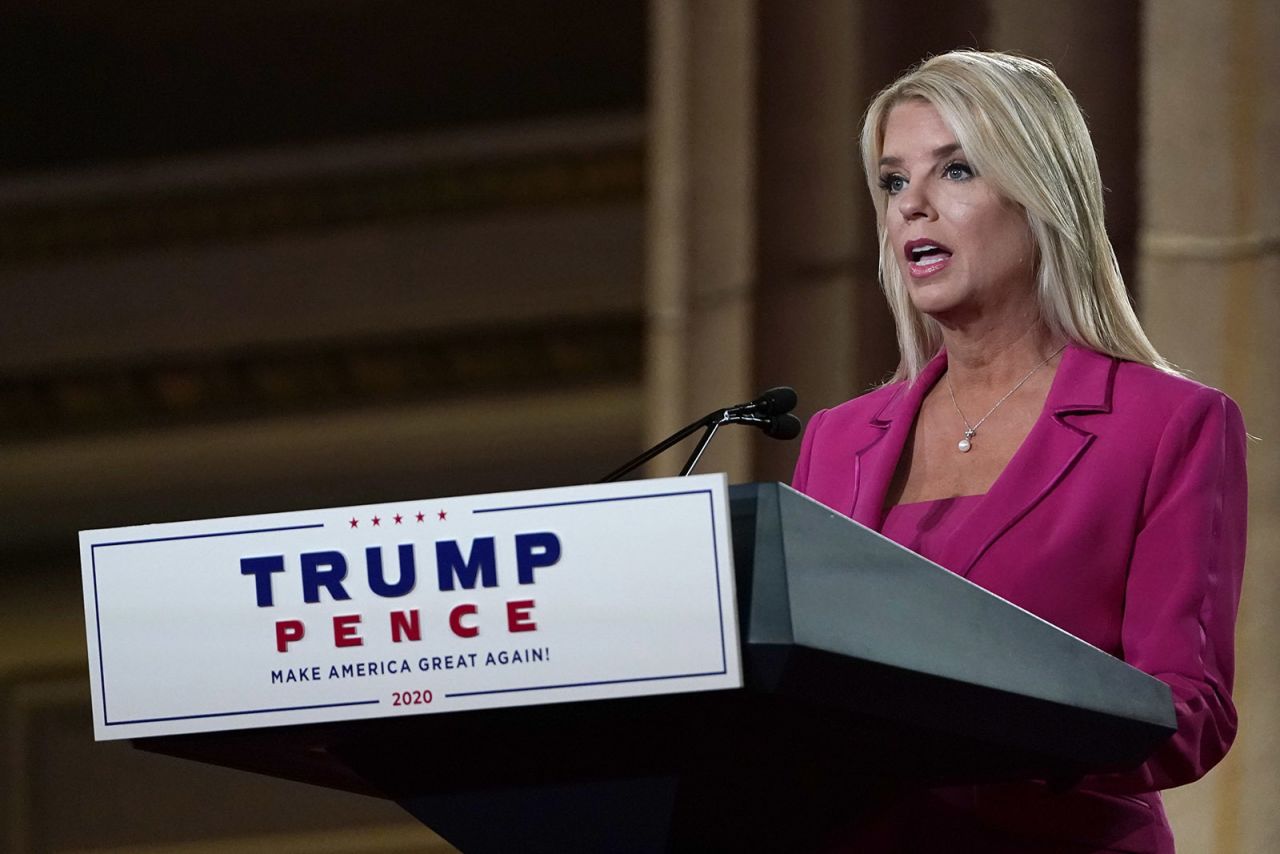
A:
(876, 461)
(1083, 384)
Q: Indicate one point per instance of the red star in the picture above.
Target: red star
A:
(442, 514)
(420, 515)
(399, 518)
(355, 523)
(376, 521)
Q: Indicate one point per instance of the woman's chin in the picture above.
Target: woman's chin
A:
(936, 302)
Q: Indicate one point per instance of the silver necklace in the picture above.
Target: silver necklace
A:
(971, 430)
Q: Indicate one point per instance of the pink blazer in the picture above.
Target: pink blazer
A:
(1120, 519)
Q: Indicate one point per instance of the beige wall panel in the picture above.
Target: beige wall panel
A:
(1184, 309)
(1210, 292)
(1257, 779)
(701, 221)
(379, 279)
(1187, 140)
(810, 230)
(454, 447)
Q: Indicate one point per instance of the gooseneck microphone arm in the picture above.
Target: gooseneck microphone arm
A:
(700, 447)
(674, 438)
(771, 412)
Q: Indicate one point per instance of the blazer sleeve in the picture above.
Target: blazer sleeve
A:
(1183, 586)
(800, 479)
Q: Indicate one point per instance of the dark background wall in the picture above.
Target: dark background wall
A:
(261, 255)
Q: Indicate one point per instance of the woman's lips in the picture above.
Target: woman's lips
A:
(925, 257)
(927, 266)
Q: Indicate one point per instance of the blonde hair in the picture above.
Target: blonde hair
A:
(1022, 130)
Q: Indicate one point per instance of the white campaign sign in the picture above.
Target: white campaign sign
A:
(409, 607)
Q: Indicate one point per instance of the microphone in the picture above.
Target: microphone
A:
(775, 401)
(785, 427)
(771, 412)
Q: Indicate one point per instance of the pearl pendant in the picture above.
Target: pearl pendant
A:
(964, 446)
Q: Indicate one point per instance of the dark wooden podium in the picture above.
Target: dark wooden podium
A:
(866, 668)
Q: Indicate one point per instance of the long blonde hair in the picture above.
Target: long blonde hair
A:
(1022, 130)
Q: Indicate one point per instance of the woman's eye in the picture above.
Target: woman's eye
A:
(957, 171)
(892, 184)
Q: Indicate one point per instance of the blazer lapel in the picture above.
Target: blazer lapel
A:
(1052, 448)
(877, 460)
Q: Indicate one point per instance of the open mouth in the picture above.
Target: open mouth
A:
(926, 256)
(923, 252)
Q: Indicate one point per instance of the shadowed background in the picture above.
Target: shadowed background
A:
(280, 254)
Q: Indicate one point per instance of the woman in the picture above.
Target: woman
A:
(1032, 438)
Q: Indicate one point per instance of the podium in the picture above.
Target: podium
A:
(866, 668)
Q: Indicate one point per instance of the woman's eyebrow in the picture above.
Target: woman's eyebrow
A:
(938, 153)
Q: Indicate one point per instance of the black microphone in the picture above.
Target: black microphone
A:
(775, 401)
(785, 427)
(771, 412)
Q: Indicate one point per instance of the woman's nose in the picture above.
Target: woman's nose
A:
(913, 202)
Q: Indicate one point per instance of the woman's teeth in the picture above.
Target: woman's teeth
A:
(928, 254)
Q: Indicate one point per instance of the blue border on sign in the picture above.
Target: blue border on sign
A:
(97, 618)
(715, 551)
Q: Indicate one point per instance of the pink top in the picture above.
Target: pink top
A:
(926, 527)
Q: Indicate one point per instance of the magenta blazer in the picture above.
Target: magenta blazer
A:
(1121, 519)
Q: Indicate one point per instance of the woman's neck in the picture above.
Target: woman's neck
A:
(997, 356)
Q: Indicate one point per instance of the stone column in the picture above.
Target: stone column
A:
(814, 242)
(1210, 298)
(701, 221)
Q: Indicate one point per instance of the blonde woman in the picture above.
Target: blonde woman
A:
(1033, 440)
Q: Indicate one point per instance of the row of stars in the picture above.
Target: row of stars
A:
(399, 520)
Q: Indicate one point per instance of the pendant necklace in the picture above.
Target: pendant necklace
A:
(971, 430)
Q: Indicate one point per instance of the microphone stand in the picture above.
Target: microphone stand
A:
(701, 446)
(711, 421)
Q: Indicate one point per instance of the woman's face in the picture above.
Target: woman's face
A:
(965, 252)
